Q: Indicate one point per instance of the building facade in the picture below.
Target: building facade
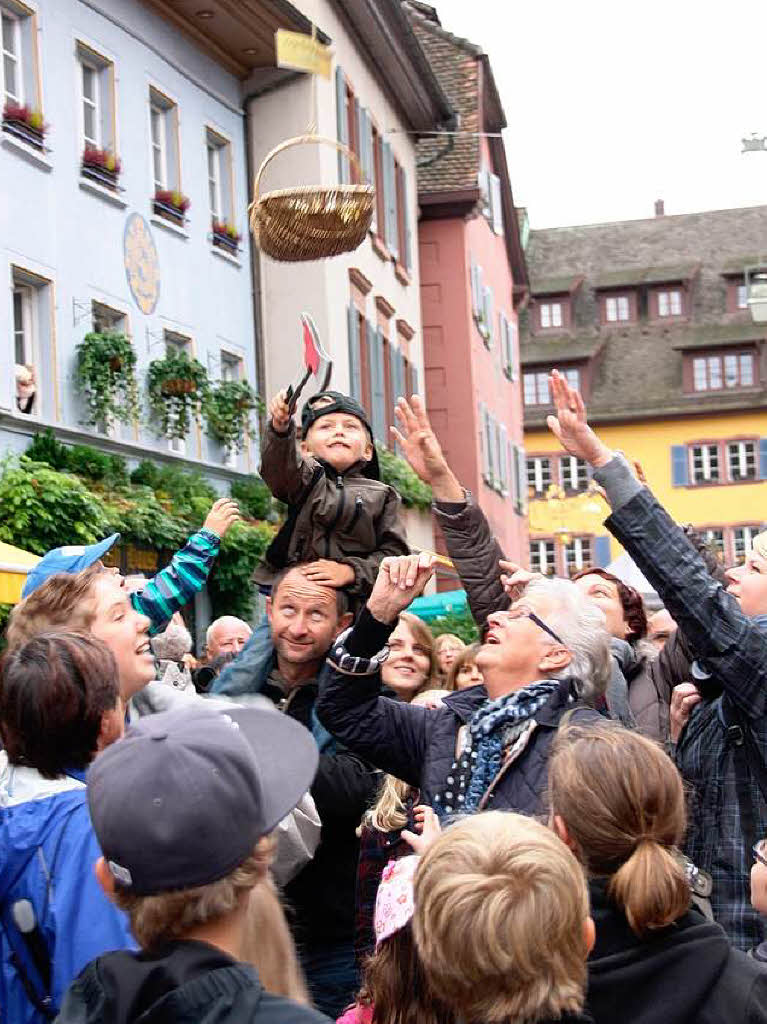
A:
(473, 275)
(650, 320)
(366, 304)
(141, 120)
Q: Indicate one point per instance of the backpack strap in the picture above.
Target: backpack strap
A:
(748, 762)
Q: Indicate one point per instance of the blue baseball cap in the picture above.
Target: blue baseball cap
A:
(72, 558)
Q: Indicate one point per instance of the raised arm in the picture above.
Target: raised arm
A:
(283, 469)
(729, 643)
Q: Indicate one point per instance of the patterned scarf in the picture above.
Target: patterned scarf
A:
(494, 727)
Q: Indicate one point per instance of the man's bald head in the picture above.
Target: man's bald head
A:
(226, 635)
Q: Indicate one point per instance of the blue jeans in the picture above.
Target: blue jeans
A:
(250, 669)
(332, 975)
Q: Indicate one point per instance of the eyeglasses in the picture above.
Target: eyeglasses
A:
(759, 851)
(522, 612)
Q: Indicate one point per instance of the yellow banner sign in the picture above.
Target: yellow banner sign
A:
(299, 51)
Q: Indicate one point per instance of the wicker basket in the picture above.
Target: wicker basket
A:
(309, 222)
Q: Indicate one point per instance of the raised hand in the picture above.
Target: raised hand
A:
(514, 578)
(224, 513)
(279, 412)
(400, 579)
(422, 450)
(570, 426)
(428, 829)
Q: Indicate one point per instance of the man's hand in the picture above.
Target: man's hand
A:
(514, 578)
(279, 413)
(428, 829)
(224, 513)
(399, 581)
(683, 699)
(570, 427)
(329, 573)
(422, 450)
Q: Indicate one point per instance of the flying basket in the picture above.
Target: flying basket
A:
(310, 222)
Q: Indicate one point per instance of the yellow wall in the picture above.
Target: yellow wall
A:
(650, 443)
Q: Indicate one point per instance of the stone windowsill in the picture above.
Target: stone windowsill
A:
(167, 225)
(32, 155)
(224, 255)
(96, 189)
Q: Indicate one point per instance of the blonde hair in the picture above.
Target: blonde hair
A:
(155, 920)
(389, 813)
(269, 947)
(65, 602)
(500, 905)
(468, 656)
(622, 801)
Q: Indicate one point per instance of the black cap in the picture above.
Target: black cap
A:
(312, 411)
(185, 796)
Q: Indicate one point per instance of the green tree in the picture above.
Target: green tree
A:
(460, 623)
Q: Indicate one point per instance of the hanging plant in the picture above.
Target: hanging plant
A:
(178, 390)
(105, 374)
(228, 409)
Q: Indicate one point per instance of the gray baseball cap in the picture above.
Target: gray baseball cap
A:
(184, 797)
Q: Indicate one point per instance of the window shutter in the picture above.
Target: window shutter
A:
(503, 448)
(763, 458)
(601, 551)
(342, 125)
(414, 379)
(504, 326)
(483, 441)
(680, 473)
(513, 487)
(406, 256)
(355, 383)
(377, 387)
(483, 180)
(369, 163)
(359, 120)
(390, 195)
(490, 316)
(495, 203)
(474, 277)
(521, 479)
(512, 360)
(400, 364)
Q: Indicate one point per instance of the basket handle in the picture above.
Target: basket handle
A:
(298, 141)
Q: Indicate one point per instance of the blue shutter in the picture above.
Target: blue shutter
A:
(763, 458)
(355, 389)
(414, 380)
(475, 295)
(680, 474)
(390, 190)
(406, 256)
(377, 389)
(495, 203)
(342, 125)
(359, 120)
(601, 551)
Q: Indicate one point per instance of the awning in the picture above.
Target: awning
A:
(14, 566)
(432, 606)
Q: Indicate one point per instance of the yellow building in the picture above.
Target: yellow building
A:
(672, 370)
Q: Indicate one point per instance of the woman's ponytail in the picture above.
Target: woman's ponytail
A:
(651, 887)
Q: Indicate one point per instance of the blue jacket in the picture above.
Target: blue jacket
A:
(47, 855)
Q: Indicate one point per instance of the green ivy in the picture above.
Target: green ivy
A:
(105, 374)
(230, 588)
(45, 448)
(460, 623)
(142, 520)
(253, 497)
(42, 508)
(228, 409)
(398, 474)
(178, 389)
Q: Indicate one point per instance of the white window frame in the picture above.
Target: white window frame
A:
(670, 303)
(537, 467)
(617, 309)
(550, 315)
(540, 382)
(741, 296)
(706, 459)
(542, 563)
(747, 536)
(237, 363)
(709, 536)
(174, 341)
(573, 378)
(16, 56)
(119, 319)
(574, 555)
(738, 451)
(97, 141)
(158, 115)
(26, 292)
(214, 179)
(575, 468)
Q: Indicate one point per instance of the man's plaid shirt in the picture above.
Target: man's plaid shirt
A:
(733, 648)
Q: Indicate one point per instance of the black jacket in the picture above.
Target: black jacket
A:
(322, 894)
(684, 974)
(418, 745)
(184, 983)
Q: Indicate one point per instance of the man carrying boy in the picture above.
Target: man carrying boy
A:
(182, 808)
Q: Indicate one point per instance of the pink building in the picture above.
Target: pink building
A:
(473, 276)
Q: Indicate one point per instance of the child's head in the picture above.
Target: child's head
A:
(183, 807)
(447, 646)
(394, 980)
(618, 801)
(502, 920)
(335, 428)
(464, 671)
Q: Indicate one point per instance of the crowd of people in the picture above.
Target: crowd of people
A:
(339, 816)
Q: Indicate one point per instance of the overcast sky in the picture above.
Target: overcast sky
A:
(612, 105)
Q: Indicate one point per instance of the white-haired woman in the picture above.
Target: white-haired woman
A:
(547, 656)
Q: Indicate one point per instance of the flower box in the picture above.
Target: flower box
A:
(226, 236)
(171, 204)
(25, 124)
(102, 166)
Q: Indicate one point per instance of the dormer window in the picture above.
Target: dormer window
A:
(617, 308)
(551, 314)
(669, 303)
